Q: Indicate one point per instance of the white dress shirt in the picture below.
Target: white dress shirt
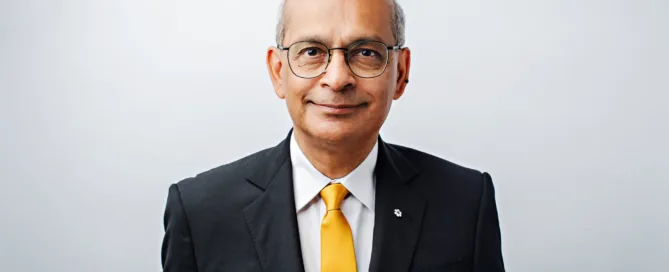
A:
(357, 207)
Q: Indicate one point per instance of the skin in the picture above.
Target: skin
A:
(337, 116)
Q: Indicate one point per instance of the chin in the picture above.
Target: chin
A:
(333, 132)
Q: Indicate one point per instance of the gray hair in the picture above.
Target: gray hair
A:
(397, 24)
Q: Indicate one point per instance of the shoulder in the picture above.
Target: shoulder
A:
(432, 164)
(438, 173)
(227, 181)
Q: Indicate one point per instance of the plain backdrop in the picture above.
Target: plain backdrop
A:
(104, 104)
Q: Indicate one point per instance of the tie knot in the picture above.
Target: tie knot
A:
(333, 195)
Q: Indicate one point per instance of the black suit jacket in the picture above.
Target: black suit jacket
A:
(241, 216)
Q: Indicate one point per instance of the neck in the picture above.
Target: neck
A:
(335, 160)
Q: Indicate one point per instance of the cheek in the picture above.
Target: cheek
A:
(382, 103)
(381, 91)
(296, 90)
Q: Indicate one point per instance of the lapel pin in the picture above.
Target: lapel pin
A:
(398, 213)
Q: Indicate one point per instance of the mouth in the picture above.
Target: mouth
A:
(339, 108)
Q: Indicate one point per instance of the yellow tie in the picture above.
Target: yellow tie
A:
(337, 252)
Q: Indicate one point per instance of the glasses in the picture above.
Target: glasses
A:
(366, 59)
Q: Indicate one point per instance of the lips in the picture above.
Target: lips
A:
(338, 108)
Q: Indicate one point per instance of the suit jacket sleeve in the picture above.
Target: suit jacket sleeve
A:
(177, 252)
(488, 248)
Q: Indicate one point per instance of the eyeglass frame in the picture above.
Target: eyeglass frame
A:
(345, 49)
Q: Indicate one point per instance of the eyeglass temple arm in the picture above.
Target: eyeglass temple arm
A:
(396, 47)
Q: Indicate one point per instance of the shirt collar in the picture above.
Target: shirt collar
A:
(308, 181)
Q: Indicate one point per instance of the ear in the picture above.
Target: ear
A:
(274, 65)
(403, 67)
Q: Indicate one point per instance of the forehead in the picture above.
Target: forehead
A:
(338, 22)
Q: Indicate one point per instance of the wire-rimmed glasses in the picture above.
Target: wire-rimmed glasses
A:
(366, 59)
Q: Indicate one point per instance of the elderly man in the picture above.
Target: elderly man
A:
(333, 196)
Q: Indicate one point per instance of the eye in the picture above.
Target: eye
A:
(367, 53)
(312, 51)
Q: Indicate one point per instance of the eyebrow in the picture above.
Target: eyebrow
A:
(312, 38)
(316, 38)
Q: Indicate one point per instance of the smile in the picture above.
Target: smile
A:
(338, 108)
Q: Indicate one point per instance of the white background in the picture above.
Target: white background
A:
(104, 104)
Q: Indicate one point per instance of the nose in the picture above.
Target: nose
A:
(338, 77)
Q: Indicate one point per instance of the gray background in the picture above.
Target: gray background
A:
(104, 104)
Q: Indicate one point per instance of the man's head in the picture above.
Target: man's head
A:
(339, 95)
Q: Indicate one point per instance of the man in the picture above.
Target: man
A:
(333, 196)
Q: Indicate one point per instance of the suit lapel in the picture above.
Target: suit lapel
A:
(398, 212)
(272, 218)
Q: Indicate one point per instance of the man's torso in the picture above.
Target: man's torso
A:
(241, 216)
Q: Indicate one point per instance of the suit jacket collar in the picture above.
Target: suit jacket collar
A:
(399, 213)
(272, 219)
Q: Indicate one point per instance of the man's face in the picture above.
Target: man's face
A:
(338, 105)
